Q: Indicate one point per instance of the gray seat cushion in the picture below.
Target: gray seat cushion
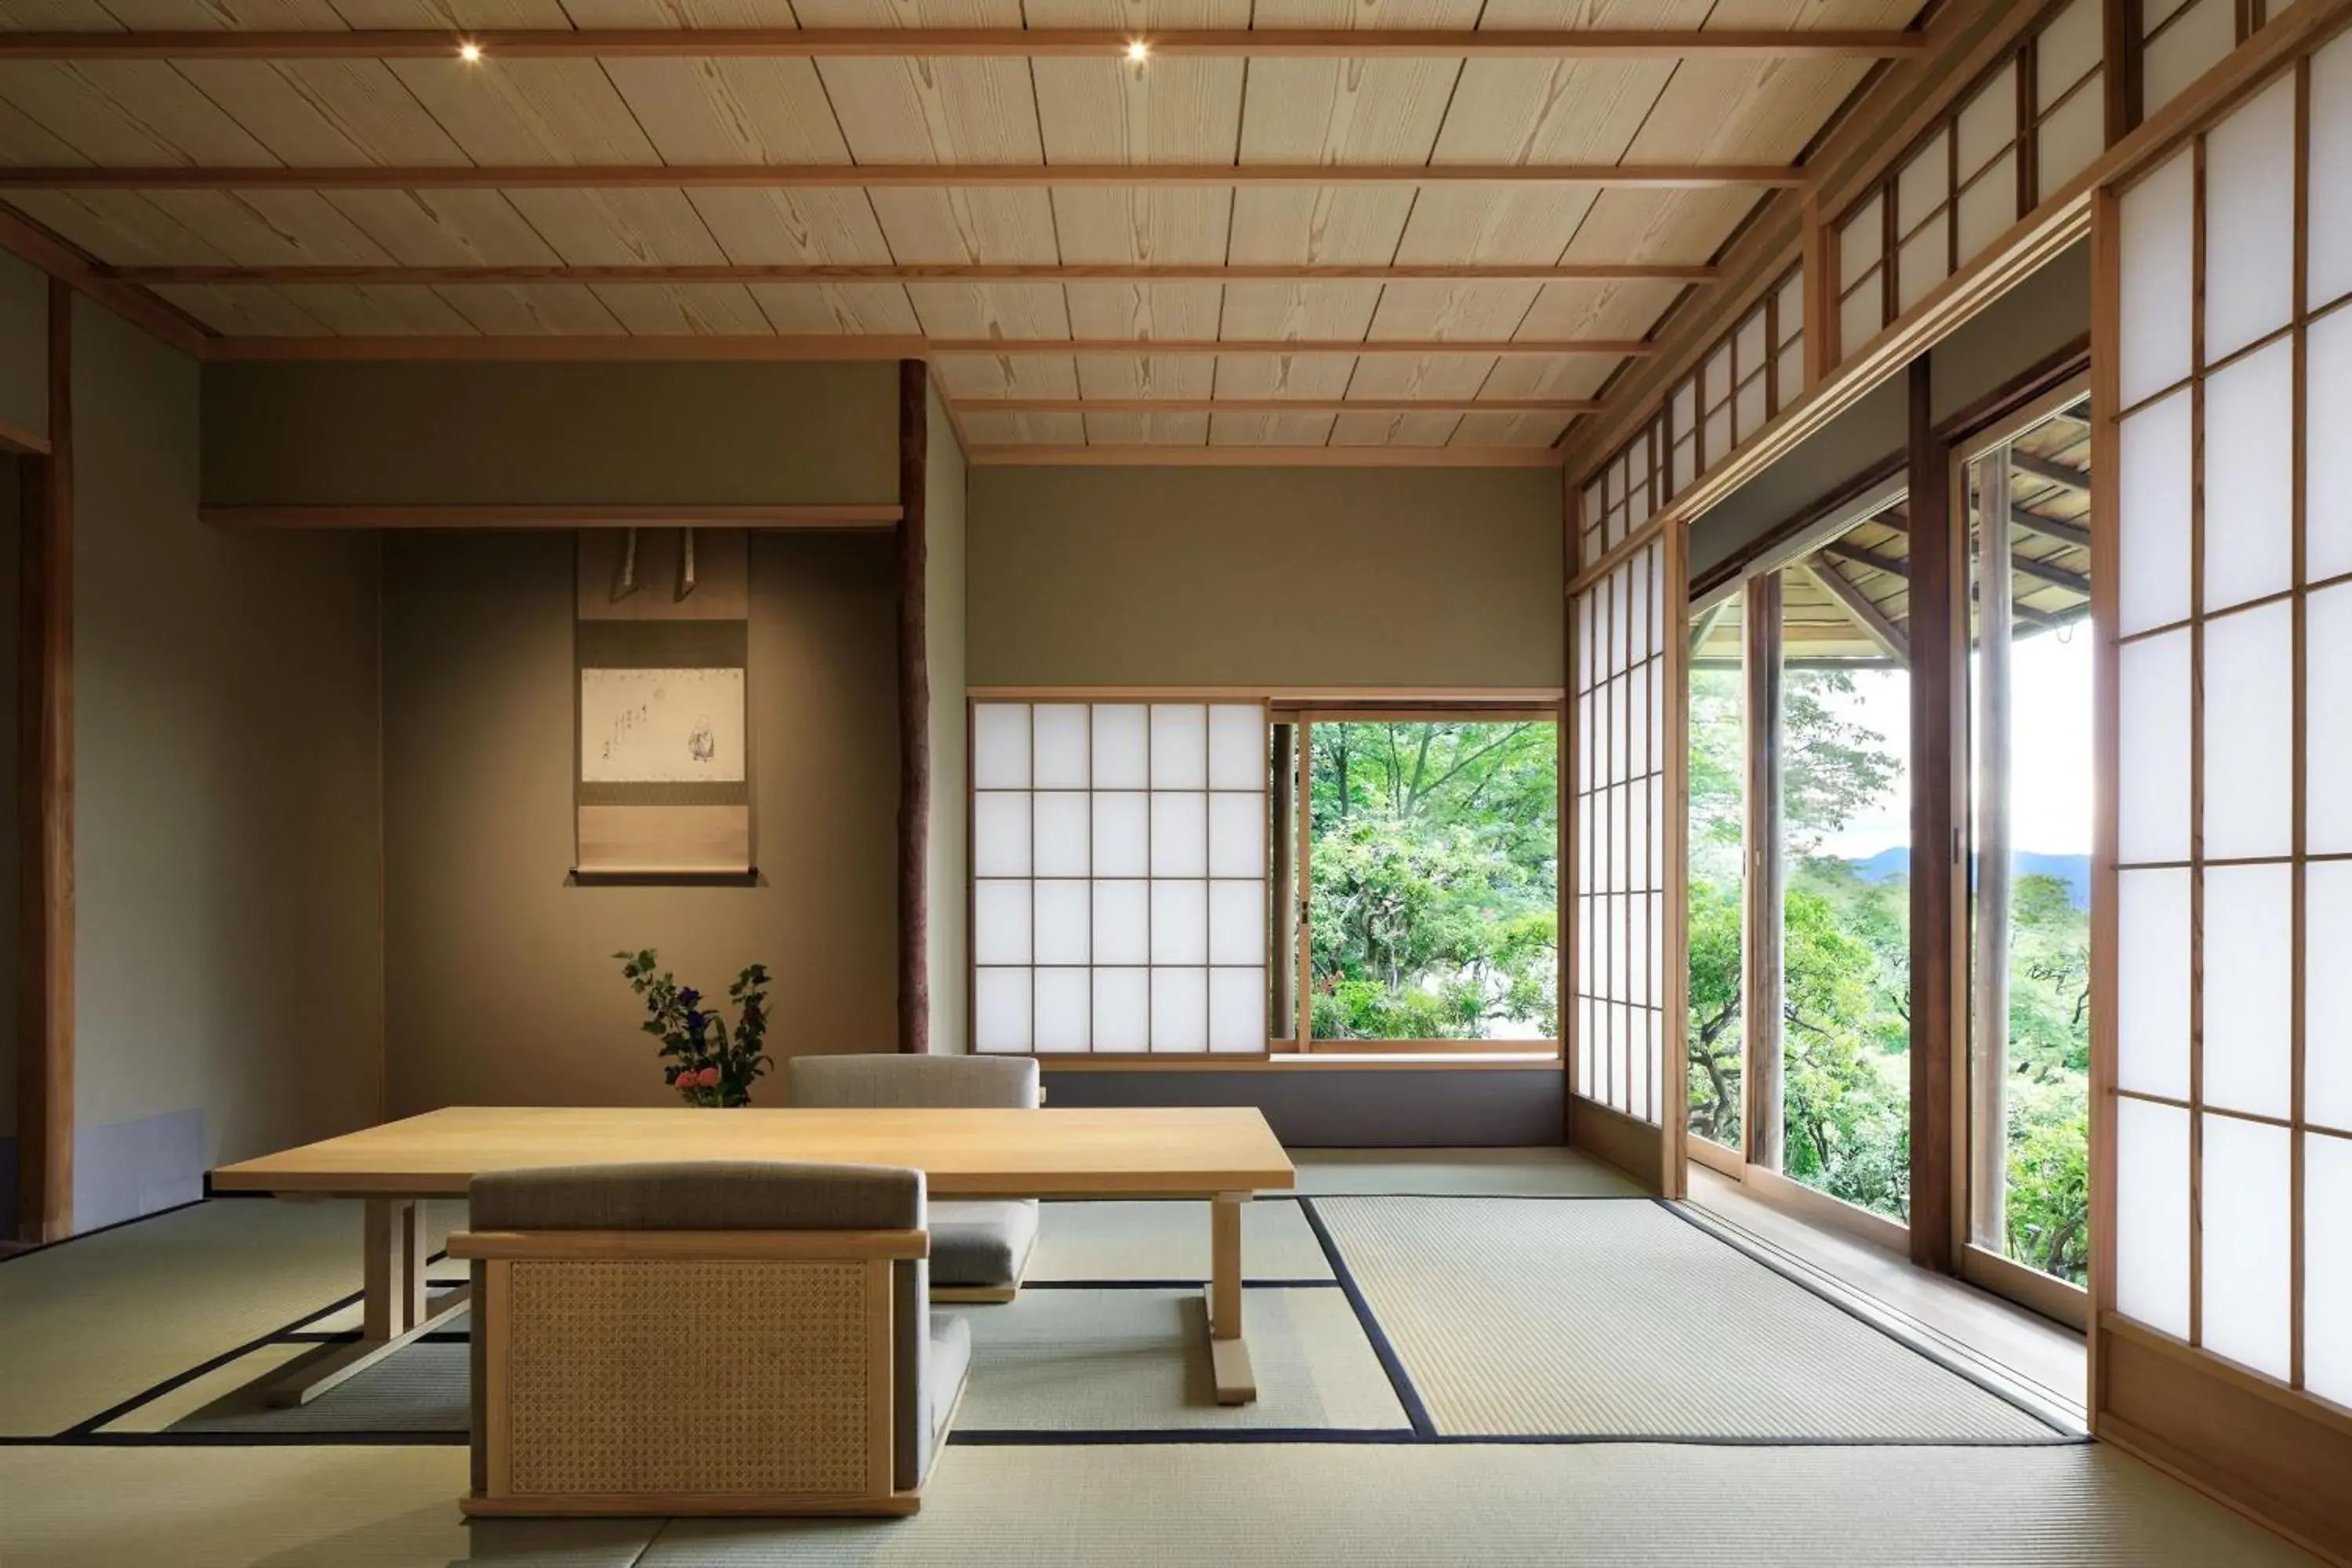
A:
(877, 1081)
(951, 1360)
(982, 1242)
(716, 1195)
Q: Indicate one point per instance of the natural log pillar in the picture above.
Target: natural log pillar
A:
(44, 995)
(1760, 985)
(914, 713)
(1989, 1039)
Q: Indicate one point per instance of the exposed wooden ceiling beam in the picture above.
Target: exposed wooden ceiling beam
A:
(2073, 533)
(813, 176)
(1873, 622)
(1893, 567)
(910, 272)
(2057, 577)
(2050, 470)
(1278, 405)
(1709, 618)
(1514, 348)
(899, 43)
(670, 346)
(21, 236)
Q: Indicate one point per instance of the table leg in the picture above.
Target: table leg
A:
(393, 1308)
(1228, 1352)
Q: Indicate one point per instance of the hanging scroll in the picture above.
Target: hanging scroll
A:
(662, 770)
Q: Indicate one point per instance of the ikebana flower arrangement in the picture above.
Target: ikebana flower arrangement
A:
(703, 1060)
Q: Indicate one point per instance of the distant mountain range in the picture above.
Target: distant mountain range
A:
(2075, 870)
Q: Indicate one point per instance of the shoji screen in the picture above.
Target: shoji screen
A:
(1119, 854)
(2226, 358)
(1626, 667)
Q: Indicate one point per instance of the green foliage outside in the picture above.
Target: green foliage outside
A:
(1433, 881)
(1845, 966)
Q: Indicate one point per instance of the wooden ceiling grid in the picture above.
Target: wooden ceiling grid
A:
(302, 110)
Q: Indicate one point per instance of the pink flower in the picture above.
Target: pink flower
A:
(709, 1079)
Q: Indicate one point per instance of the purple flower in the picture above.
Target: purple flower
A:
(694, 1022)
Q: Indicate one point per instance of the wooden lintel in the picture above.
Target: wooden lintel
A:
(1519, 348)
(1697, 175)
(490, 46)
(1171, 456)
(1278, 404)
(460, 516)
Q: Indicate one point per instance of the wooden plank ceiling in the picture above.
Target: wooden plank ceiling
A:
(505, 261)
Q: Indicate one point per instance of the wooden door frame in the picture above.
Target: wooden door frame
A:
(45, 1005)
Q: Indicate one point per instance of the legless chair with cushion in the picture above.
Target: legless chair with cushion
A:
(719, 1338)
(979, 1249)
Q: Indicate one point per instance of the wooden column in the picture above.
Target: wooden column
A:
(1987, 1126)
(1760, 960)
(914, 713)
(1936, 711)
(45, 1025)
(1286, 884)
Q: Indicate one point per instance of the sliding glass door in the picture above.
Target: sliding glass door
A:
(1799, 1031)
(2030, 771)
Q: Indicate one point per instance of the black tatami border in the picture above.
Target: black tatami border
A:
(1423, 1430)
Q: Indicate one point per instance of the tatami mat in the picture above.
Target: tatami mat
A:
(420, 1388)
(1138, 1361)
(97, 1320)
(1620, 1320)
(1622, 1507)
(1125, 1361)
(1556, 1173)
(1169, 1241)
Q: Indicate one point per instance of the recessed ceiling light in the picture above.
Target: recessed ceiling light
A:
(470, 52)
(1139, 51)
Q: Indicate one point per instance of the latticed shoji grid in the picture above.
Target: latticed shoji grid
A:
(2232, 642)
(2035, 120)
(1618, 951)
(1119, 884)
(1751, 373)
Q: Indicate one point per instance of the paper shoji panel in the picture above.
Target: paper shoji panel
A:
(2034, 120)
(2180, 40)
(2232, 650)
(1745, 378)
(1618, 957)
(2068, 102)
(1118, 876)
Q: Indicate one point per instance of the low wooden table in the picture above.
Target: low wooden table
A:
(1222, 1155)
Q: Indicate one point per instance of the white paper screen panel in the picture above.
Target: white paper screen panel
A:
(1617, 979)
(2231, 646)
(1120, 878)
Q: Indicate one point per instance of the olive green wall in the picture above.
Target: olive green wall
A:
(228, 961)
(617, 434)
(24, 346)
(1265, 576)
(501, 985)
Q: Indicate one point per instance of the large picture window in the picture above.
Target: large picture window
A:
(1433, 864)
(1118, 876)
